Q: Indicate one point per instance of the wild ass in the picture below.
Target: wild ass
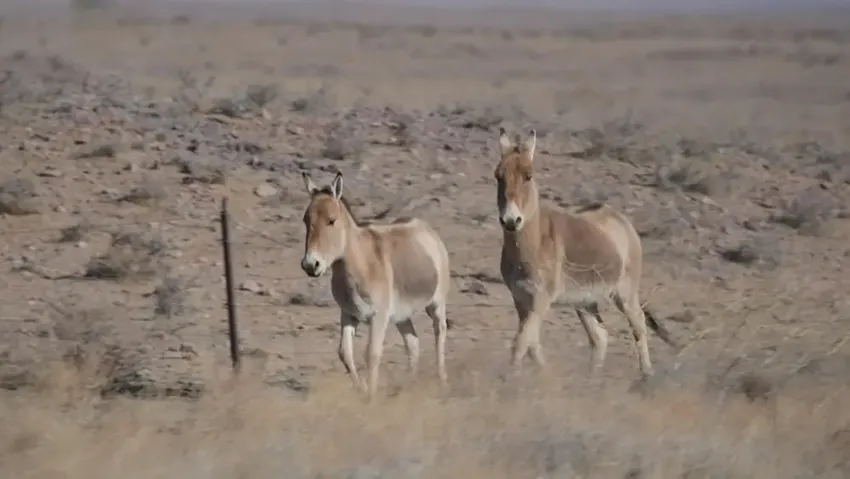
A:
(381, 274)
(584, 256)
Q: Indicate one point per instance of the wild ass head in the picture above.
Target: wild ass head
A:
(327, 220)
(516, 192)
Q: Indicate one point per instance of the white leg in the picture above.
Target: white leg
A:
(348, 326)
(633, 312)
(437, 313)
(375, 348)
(530, 312)
(411, 344)
(596, 335)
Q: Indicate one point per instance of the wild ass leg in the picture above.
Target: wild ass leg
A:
(535, 349)
(633, 312)
(375, 348)
(437, 313)
(596, 335)
(530, 311)
(348, 326)
(411, 344)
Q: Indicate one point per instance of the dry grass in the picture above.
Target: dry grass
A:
(560, 428)
(724, 139)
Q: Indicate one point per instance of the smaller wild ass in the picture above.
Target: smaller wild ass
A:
(381, 274)
(584, 256)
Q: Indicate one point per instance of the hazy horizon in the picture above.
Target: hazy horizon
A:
(654, 6)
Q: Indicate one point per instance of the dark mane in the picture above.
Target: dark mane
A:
(587, 207)
(328, 191)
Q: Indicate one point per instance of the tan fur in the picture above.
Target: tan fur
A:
(381, 274)
(584, 256)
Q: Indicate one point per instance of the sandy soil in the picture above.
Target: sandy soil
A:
(725, 142)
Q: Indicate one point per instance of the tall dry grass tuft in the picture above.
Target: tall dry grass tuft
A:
(557, 427)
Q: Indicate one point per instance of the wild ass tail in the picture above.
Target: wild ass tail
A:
(450, 324)
(659, 328)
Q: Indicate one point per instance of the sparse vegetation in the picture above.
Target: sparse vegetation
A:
(18, 197)
(130, 254)
(261, 95)
(744, 252)
(74, 233)
(807, 213)
(170, 296)
(196, 171)
(148, 194)
(685, 175)
(129, 121)
(100, 361)
(108, 150)
(318, 101)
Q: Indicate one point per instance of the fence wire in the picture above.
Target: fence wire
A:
(205, 236)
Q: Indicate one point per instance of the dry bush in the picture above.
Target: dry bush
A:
(808, 212)
(197, 171)
(171, 295)
(685, 174)
(107, 150)
(341, 143)
(339, 148)
(147, 194)
(261, 95)
(321, 100)
(92, 350)
(254, 99)
(130, 254)
(745, 253)
(18, 197)
(191, 91)
(620, 139)
(74, 233)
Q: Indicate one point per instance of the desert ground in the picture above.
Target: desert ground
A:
(726, 140)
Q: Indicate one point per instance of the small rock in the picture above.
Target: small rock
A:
(294, 130)
(755, 387)
(475, 287)
(188, 349)
(50, 173)
(250, 286)
(265, 191)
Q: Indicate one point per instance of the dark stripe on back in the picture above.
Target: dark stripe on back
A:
(596, 205)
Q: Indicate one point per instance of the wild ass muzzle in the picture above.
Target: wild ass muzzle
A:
(584, 256)
(381, 274)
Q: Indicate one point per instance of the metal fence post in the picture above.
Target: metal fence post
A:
(230, 288)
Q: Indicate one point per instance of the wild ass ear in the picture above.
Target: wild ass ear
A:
(504, 142)
(308, 183)
(336, 186)
(530, 143)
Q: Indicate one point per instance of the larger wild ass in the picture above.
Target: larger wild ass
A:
(584, 256)
(382, 274)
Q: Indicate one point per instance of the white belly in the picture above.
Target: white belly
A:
(353, 301)
(584, 295)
